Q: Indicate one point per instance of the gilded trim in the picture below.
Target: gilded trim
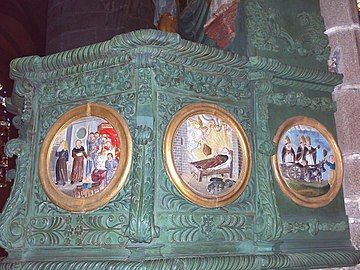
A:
(175, 123)
(90, 203)
(311, 202)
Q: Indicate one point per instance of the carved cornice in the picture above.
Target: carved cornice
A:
(302, 85)
(272, 261)
(126, 48)
(325, 81)
(145, 47)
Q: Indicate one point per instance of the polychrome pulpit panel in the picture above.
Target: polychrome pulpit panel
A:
(148, 151)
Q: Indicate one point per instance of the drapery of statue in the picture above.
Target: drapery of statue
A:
(292, 32)
(149, 151)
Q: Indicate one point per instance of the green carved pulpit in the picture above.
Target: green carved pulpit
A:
(147, 76)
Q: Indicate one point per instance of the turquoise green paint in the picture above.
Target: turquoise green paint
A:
(147, 76)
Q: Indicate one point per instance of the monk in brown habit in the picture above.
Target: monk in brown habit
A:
(78, 153)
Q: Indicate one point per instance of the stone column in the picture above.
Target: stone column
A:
(75, 23)
(342, 24)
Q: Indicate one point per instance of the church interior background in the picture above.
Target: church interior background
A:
(44, 27)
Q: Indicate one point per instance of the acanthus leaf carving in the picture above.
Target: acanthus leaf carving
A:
(313, 36)
(313, 227)
(77, 230)
(26, 90)
(121, 202)
(172, 198)
(268, 224)
(199, 82)
(141, 226)
(191, 228)
(13, 220)
(42, 204)
(125, 104)
(95, 83)
(300, 100)
(265, 30)
(49, 115)
(144, 93)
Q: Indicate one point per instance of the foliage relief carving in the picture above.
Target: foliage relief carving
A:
(12, 231)
(298, 99)
(265, 29)
(95, 83)
(313, 227)
(111, 226)
(77, 230)
(313, 36)
(268, 222)
(266, 32)
(216, 85)
(191, 228)
(141, 221)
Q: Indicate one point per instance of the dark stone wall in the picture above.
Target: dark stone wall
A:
(342, 24)
(75, 23)
(22, 33)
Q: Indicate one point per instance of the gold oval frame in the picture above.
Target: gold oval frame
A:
(99, 199)
(311, 202)
(176, 121)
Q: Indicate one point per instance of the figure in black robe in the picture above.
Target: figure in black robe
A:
(61, 167)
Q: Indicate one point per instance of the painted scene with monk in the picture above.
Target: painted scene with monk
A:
(84, 157)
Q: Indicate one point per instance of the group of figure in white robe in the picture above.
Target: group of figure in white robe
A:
(305, 154)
